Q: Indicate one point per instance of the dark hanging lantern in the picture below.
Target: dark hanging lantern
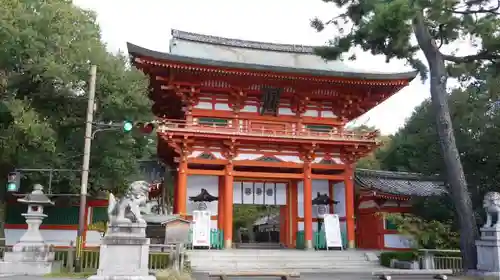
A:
(323, 199)
(204, 196)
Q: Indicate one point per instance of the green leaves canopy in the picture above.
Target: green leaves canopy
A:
(46, 51)
(387, 28)
(415, 147)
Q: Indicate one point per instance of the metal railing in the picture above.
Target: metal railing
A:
(167, 125)
(440, 259)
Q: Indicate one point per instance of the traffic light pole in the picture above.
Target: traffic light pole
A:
(85, 165)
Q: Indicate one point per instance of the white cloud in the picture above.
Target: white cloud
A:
(147, 23)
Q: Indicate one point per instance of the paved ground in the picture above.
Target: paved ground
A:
(337, 276)
(311, 276)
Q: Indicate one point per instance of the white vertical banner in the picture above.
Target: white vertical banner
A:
(201, 228)
(332, 231)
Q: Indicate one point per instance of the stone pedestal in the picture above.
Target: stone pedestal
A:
(488, 251)
(124, 253)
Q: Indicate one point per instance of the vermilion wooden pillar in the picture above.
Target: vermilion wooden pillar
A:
(283, 225)
(349, 205)
(308, 230)
(181, 190)
(220, 204)
(294, 209)
(228, 206)
(176, 180)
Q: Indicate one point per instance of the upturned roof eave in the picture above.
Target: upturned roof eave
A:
(137, 51)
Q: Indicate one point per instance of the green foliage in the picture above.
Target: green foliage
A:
(245, 215)
(408, 256)
(46, 51)
(426, 234)
(387, 27)
(415, 148)
(372, 161)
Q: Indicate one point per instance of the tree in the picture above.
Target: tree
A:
(371, 161)
(46, 49)
(387, 27)
(415, 148)
(246, 215)
(426, 234)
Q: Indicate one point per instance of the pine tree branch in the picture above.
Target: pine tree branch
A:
(482, 55)
(492, 10)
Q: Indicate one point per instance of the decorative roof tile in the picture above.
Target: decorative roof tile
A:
(399, 183)
(195, 37)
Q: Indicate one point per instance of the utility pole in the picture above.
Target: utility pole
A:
(85, 165)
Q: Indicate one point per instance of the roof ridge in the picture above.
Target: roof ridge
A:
(210, 39)
(396, 174)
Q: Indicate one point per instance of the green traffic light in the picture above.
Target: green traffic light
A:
(11, 187)
(127, 126)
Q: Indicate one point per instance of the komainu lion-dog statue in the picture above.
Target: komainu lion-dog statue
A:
(491, 204)
(127, 208)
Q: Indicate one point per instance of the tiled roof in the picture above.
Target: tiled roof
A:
(399, 183)
(193, 63)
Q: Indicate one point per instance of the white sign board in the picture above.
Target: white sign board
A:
(332, 231)
(201, 228)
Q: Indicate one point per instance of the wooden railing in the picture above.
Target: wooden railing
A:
(167, 125)
(159, 257)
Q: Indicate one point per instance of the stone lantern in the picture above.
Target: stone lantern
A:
(34, 216)
(31, 255)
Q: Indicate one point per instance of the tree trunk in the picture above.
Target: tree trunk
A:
(251, 234)
(454, 171)
(4, 172)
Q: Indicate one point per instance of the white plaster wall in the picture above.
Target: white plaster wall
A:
(397, 241)
(322, 187)
(93, 238)
(194, 185)
(300, 226)
(339, 195)
(246, 55)
(52, 236)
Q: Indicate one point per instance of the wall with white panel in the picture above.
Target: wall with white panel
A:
(194, 185)
(397, 241)
(259, 193)
(322, 187)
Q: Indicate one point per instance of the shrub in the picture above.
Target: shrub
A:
(386, 257)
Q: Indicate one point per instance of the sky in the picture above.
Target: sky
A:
(147, 23)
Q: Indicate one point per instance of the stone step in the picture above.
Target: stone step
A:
(279, 260)
(271, 253)
(262, 246)
(286, 264)
(268, 258)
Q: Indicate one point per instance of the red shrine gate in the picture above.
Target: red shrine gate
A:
(232, 110)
